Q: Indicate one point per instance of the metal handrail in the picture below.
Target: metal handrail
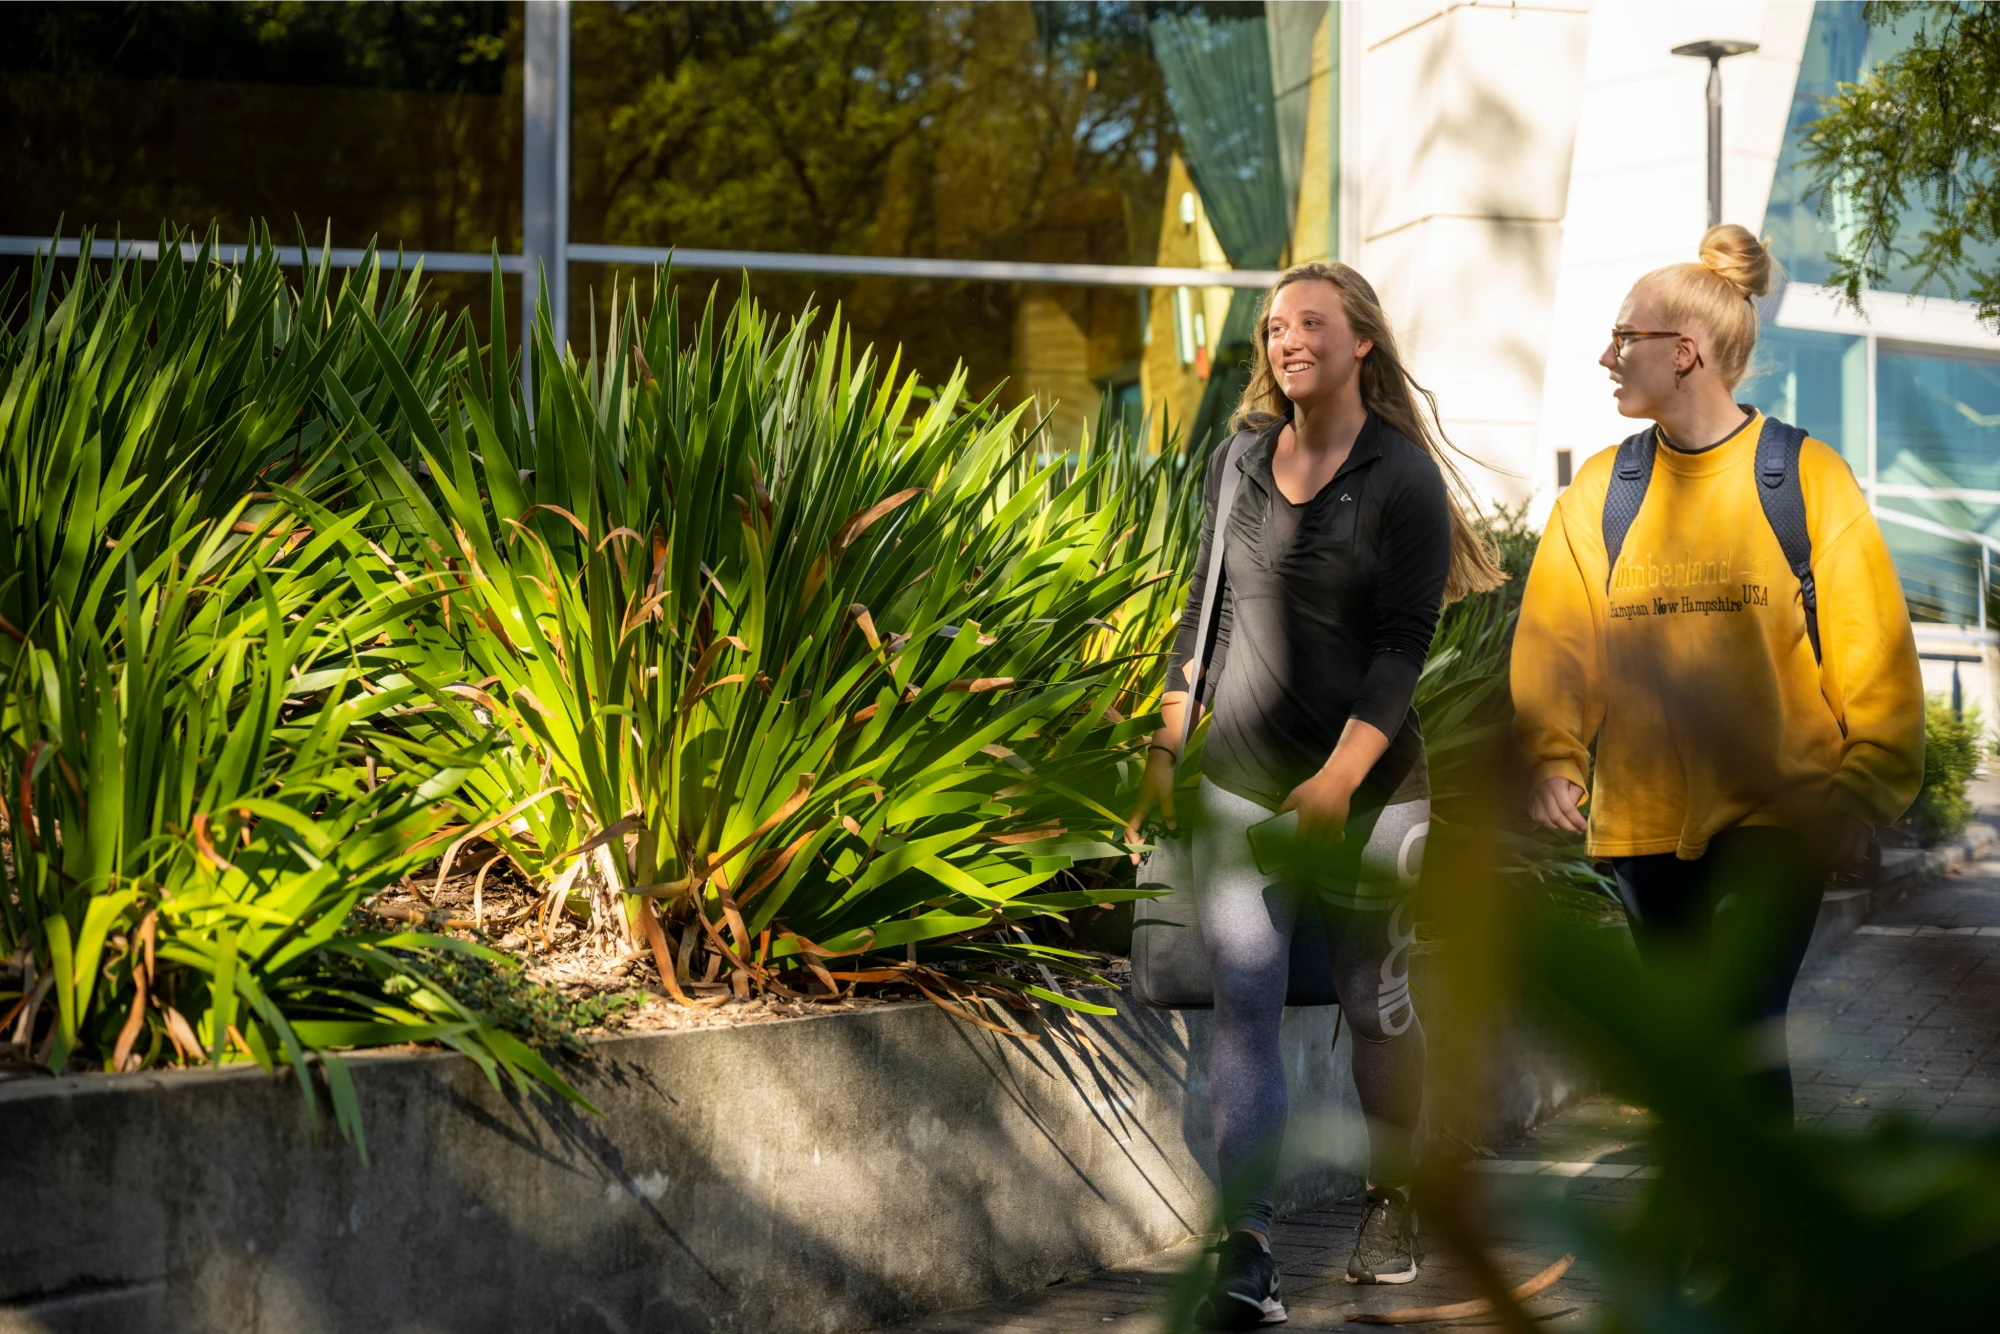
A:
(756, 261)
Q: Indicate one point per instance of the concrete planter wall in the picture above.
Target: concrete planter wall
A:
(823, 1174)
(816, 1175)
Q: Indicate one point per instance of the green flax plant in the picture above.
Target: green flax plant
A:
(1157, 499)
(1466, 708)
(202, 778)
(791, 657)
(1154, 500)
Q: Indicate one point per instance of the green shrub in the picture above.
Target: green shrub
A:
(1467, 709)
(204, 734)
(788, 667)
(1954, 745)
(732, 623)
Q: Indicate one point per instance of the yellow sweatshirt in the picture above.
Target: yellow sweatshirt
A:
(1693, 673)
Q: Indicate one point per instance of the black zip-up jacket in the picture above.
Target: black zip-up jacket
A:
(1334, 625)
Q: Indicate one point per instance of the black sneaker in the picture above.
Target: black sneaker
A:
(1385, 1245)
(1245, 1292)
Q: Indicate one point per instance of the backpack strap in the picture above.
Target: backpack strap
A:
(1211, 591)
(1630, 476)
(1784, 501)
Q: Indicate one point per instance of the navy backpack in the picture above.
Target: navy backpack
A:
(1778, 489)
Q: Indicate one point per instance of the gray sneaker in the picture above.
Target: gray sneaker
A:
(1385, 1245)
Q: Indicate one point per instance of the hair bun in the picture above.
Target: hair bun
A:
(1732, 254)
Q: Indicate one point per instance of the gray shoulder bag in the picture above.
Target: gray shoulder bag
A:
(1169, 958)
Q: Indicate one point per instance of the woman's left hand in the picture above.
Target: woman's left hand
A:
(1322, 803)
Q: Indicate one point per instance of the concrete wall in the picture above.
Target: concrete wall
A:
(1515, 167)
(822, 1174)
(1466, 117)
(1638, 186)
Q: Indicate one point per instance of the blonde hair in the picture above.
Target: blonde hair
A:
(1391, 394)
(1718, 296)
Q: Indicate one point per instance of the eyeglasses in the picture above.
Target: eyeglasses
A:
(1621, 339)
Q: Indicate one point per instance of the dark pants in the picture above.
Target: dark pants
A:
(1762, 886)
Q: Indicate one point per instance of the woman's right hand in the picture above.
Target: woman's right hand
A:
(1554, 806)
(1156, 793)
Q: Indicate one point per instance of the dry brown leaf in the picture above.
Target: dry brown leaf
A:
(979, 685)
(1418, 1315)
(205, 845)
(26, 820)
(662, 957)
(142, 970)
(970, 1017)
(699, 677)
(866, 620)
(1026, 835)
(776, 818)
(181, 1034)
(451, 853)
(779, 863)
(575, 522)
(861, 522)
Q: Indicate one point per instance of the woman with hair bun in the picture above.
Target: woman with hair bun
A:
(1347, 534)
(1714, 609)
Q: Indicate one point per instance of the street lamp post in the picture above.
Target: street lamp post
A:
(1715, 52)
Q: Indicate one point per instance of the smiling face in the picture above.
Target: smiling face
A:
(1644, 375)
(1312, 349)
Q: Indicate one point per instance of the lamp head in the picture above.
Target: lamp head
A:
(1715, 49)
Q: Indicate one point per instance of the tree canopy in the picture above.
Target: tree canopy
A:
(1909, 156)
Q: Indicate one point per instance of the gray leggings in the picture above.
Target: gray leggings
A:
(1246, 921)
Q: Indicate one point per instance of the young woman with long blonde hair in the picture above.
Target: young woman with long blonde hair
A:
(1715, 652)
(1347, 535)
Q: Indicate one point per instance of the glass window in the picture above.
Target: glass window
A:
(1058, 131)
(1941, 575)
(396, 121)
(1113, 134)
(1938, 418)
(1818, 381)
(958, 130)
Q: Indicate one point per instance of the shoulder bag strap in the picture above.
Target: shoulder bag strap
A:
(1211, 591)
(1784, 500)
(1630, 476)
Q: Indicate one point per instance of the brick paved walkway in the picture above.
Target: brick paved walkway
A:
(1905, 1013)
(1902, 1015)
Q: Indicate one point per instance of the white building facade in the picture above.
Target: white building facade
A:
(1509, 170)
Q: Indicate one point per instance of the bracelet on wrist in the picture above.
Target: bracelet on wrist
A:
(1161, 745)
